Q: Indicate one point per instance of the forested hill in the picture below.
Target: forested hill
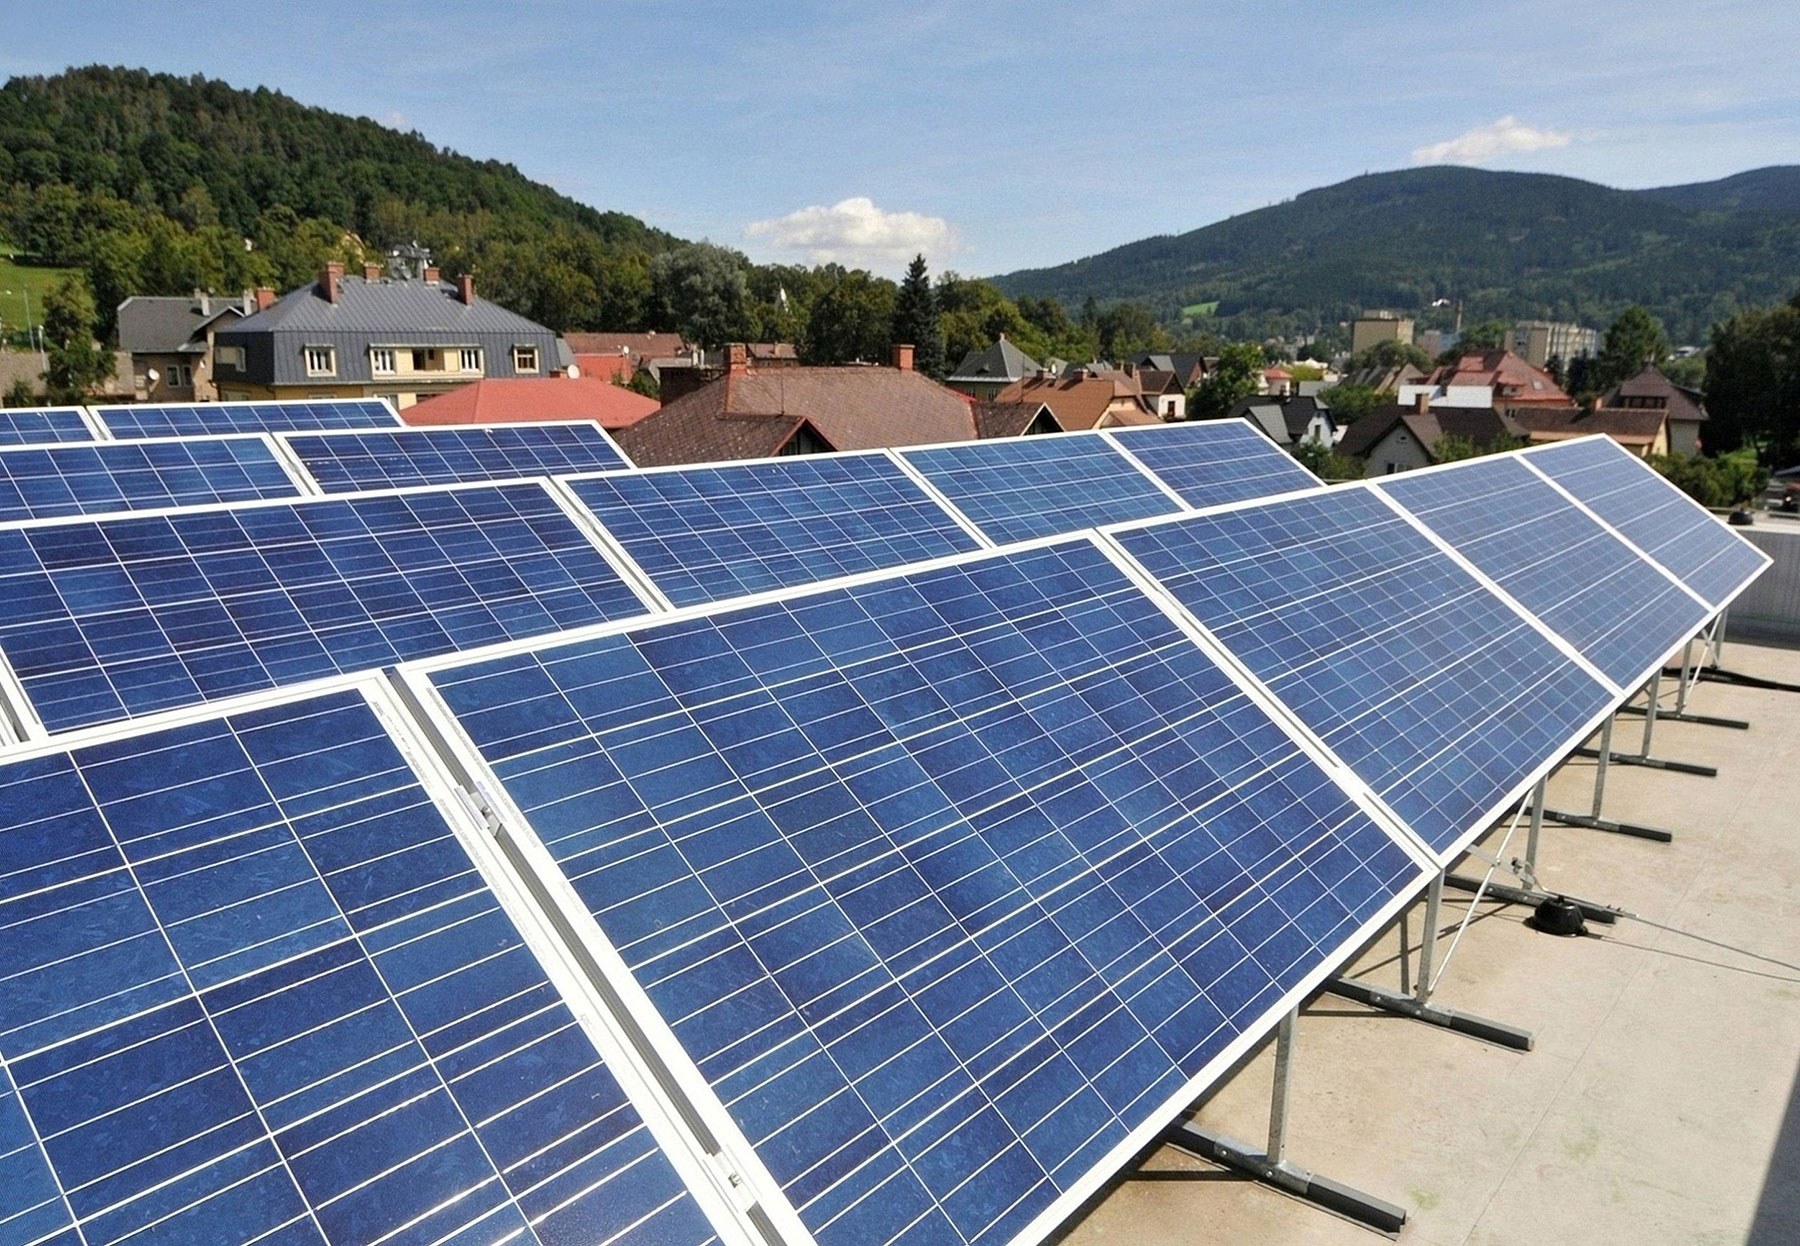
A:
(98, 162)
(1506, 244)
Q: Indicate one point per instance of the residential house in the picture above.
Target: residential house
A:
(1163, 392)
(170, 341)
(402, 339)
(1395, 438)
(1379, 378)
(1288, 421)
(984, 373)
(1684, 408)
(1014, 419)
(505, 400)
(1083, 400)
(752, 413)
(1515, 382)
(1189, 367)
(1643, 431)
(637, 349)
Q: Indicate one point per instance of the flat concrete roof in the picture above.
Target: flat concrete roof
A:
(1660, 1104)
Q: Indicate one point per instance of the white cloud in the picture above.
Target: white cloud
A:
(1507, 136)
(856, 232)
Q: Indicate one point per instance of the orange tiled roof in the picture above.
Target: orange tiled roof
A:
(501, 400)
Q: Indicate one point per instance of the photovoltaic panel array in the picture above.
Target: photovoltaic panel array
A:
(355, 462)
(1653, 515)
(203, 418)
(1211, 462)
(40, 482)
(1020, 488)
(256, 990)
(36, 426)
(116, 618)
(954, 886)
(1432, 689)
(703, 534)
(1621, 612)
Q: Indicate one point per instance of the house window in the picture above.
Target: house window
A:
(231, 357)
(381, 360)
(471, 359)
(525, 359)
(321, 361)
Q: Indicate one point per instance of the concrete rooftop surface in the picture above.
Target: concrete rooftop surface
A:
(1660, 1104)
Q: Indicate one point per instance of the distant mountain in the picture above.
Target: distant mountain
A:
(1505, 244)
(1774, 189)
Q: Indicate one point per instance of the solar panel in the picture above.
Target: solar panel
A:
(355, 462)
(114, 618)
(1433, 690)
(35, 426)
(954, 887)
(257, 990)
(203, 418)
(1618, 609)
(1020, 488)
(1211, 462)
(703, 534)
(1654, 515)
(39, 482)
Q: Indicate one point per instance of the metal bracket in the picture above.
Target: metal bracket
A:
(1525, 870)
(1593, 821)
(1271, 1165)
(1652, 704)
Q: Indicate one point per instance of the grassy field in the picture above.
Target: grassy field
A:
(1194, 311)
(18, 283)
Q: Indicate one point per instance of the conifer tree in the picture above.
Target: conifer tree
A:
(916, 320)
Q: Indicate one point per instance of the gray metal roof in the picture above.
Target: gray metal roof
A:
(163, 325)
(1000, 362)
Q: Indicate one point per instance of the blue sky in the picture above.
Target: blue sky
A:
(994, 136)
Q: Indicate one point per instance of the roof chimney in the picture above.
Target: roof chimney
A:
(371, 272)
(204, 298)
(903, 357)
(737, 359)
(465, 289)
(331, 280)
(265, 297)
(1422, 401)
(1596, 402)
(432, 272)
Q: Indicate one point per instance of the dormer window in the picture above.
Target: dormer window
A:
(471, 359)
(381, 361)
(525, 359)
(321, 361)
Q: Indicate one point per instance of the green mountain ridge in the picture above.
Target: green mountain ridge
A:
(1505, 244)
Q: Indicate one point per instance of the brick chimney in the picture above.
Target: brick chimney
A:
(331, 280)
(432, 272)
(1422, 401)
(903, 357)
(371, 272)
(737, 359)
(265, 297)
(465, 289)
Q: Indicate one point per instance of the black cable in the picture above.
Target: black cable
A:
(1741, 680)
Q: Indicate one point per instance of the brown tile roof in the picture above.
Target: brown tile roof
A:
(1082, 402)
(1009, 419)
(1479, 424)
(1515, 382)
(1627, 425)
(500, 400)
(637, 345)
(1650, 389)
(751, 414)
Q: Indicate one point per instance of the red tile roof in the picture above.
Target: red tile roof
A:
(1514, 381)
(1083, 402)
(635, 345)
(751, 414)
(500, 400)
(605, 367)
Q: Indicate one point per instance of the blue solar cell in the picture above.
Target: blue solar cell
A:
(1654, 515)
(946, 883)
(707, 533)
(41, 482)
(258, 991)
(356, 462)
(1593, 590)
(204, 418)
(1025, 487)
(1211, 462)
(115, 618)
(35, 426)
(1435, 692)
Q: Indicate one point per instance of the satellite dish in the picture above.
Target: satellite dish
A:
(574, 372)
(152, 375)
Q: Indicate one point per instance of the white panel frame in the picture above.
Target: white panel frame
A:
(429, 430)
(416, 678)
(97, 411)
(302, 483)
(1115, 436)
